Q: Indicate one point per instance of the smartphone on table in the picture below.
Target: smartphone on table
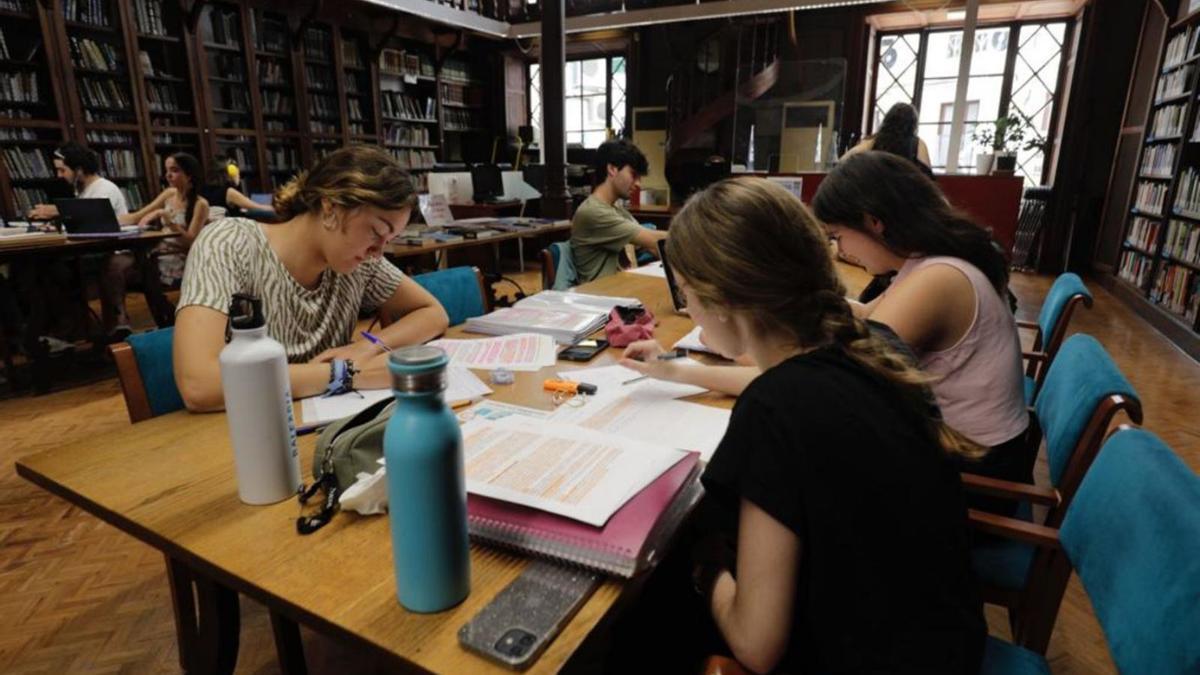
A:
(584, 350)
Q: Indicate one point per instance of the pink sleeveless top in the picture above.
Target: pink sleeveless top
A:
(979, 386)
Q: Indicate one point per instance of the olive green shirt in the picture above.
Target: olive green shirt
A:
(599, 232)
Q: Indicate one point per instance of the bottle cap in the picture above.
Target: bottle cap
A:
(418, 369)
(245, 312)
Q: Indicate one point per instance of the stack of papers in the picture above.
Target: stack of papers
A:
(578, 473)
(662, 421)
(692, 343)
(654, 269)
(519, 351)
(462, 385)
(565, 325)
(577, 301)
(620, 380)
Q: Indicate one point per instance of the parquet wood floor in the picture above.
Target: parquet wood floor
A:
(79, 596)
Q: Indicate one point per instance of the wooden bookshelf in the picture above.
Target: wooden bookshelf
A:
(1159, 261)
(265, 82)
(32, 122)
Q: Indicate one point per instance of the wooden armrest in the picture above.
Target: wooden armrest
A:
(994, 487)
(1011, 528)
(1041, 357)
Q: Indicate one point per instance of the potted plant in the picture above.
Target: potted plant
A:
(984, 138)
(1010, 133)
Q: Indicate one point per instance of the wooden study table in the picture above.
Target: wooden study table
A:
(39, 253)
(403, 250)
(169, 482)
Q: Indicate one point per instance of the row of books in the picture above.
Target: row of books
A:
(319, 77)
(396, 62)
(135, 196)
(1143, 233)
(103, 93)
(19, 6)
(354, 109)
(4, 53)
(118, 163)
(86, 53)
(396, 104)
(272, 36)
(1150, 197)
(94, 12)
(358, 128)
(231, 97)
(1135, 267)
(461, 119)
(282, 158)
(407, 135)
(1173, 83)
(19, 87)
(453, 69)
(352, 84)
(1183, 241)
(1187, 192)
(1175, 288)
(1158, 160)
(316, 44)
(1168, 120)
(228, 66)
(223, 27)
(109, 137)
(324, 107)
(161, 97)
(27, 163)
(458, 94)
(149, 17)
(277, 103)
(414, 159)
(238, 154)
(17, 134)
(322, 127)
(27, 198)
(350, 55)
(1180, 47)
(271, 72)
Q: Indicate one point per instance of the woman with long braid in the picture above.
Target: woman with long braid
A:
(834, 531)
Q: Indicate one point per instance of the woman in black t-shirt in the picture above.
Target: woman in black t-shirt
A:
(836, 536)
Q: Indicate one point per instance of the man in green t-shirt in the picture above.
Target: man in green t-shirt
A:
(600, 228)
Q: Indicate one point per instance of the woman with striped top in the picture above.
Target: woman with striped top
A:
(316, 272)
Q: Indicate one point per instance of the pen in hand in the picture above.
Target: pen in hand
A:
(376, 341)
(677, 353)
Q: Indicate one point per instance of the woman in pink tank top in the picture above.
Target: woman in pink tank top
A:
(948, 300)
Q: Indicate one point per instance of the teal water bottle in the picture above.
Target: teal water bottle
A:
(427, 490)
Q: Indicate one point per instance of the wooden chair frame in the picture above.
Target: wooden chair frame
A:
(549, 273)
(137, 403)
(1033, 609)
(1045, 347)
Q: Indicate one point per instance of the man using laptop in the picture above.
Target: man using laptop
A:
(79, 167)
(600, 229)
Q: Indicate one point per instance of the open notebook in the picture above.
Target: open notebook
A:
(626, 544)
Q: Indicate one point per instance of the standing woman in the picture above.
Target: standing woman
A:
(833, 528)
(315, 272)
(948, 300)
(179, 208)
(897, 134)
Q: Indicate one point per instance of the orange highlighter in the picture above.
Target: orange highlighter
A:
(569, 387)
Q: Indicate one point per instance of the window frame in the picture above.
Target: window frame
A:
(608, 57)
(1006, 82)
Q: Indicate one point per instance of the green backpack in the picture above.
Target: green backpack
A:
(346, 448)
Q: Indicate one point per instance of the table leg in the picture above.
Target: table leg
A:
(288, 645)
(207, 621)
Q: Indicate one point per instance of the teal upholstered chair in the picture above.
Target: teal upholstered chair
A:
(1083, 392)
(461, 290)
(1050, 328)
(147, 374)
(1133, 537)
(558, 266)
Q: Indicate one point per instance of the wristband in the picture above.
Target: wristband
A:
(341, 377)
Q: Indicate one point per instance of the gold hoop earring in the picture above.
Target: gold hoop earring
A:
(328, 221)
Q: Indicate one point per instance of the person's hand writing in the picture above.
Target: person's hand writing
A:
(642, 356)
(373, 373)
(358, 352)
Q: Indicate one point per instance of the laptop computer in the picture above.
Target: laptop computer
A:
(89, 218)
(678, 299)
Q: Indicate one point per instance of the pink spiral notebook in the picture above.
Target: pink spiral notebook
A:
(627, 543)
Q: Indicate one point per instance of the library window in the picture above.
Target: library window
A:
(1015, 70)
(594, 99)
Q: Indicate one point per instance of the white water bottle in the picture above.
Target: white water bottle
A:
(258, 405)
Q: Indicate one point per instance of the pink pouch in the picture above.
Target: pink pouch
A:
(621, 332)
